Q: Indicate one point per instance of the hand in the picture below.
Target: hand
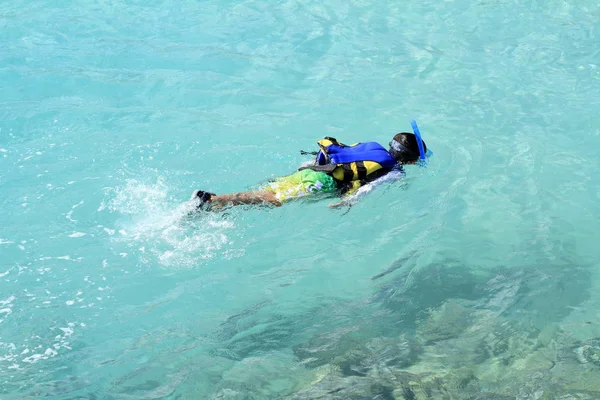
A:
(340, 204)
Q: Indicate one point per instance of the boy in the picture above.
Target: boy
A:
(338, 168)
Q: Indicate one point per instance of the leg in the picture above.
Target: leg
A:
(261, 197)
(299, 184)
(252, 197)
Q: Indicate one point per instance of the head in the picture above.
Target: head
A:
(405, 149)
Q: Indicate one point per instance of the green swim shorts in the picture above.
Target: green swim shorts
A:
(301, 183)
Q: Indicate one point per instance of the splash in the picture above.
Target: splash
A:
(161, 229)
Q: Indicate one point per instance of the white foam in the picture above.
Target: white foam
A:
(50, 353)
(138, 198)
(8, 301)
(3, 274)
(70, 213)
(161, 229)
(33, 358)
(5, 312)
(67, 331)
(69, 216)
(77, 234)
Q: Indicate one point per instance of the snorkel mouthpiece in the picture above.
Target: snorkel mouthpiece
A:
(415, 128)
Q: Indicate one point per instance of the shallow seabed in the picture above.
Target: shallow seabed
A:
(477, 277)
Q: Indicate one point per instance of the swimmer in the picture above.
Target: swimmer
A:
(338, 169)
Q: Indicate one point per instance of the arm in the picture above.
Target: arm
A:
(359, 191)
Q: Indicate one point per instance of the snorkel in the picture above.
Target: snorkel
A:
(422, 155)
(413, 123)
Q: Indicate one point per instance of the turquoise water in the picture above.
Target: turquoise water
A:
(484, 264)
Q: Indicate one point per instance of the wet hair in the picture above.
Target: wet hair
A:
(406, 148)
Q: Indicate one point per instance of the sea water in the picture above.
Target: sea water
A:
(479, 272)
